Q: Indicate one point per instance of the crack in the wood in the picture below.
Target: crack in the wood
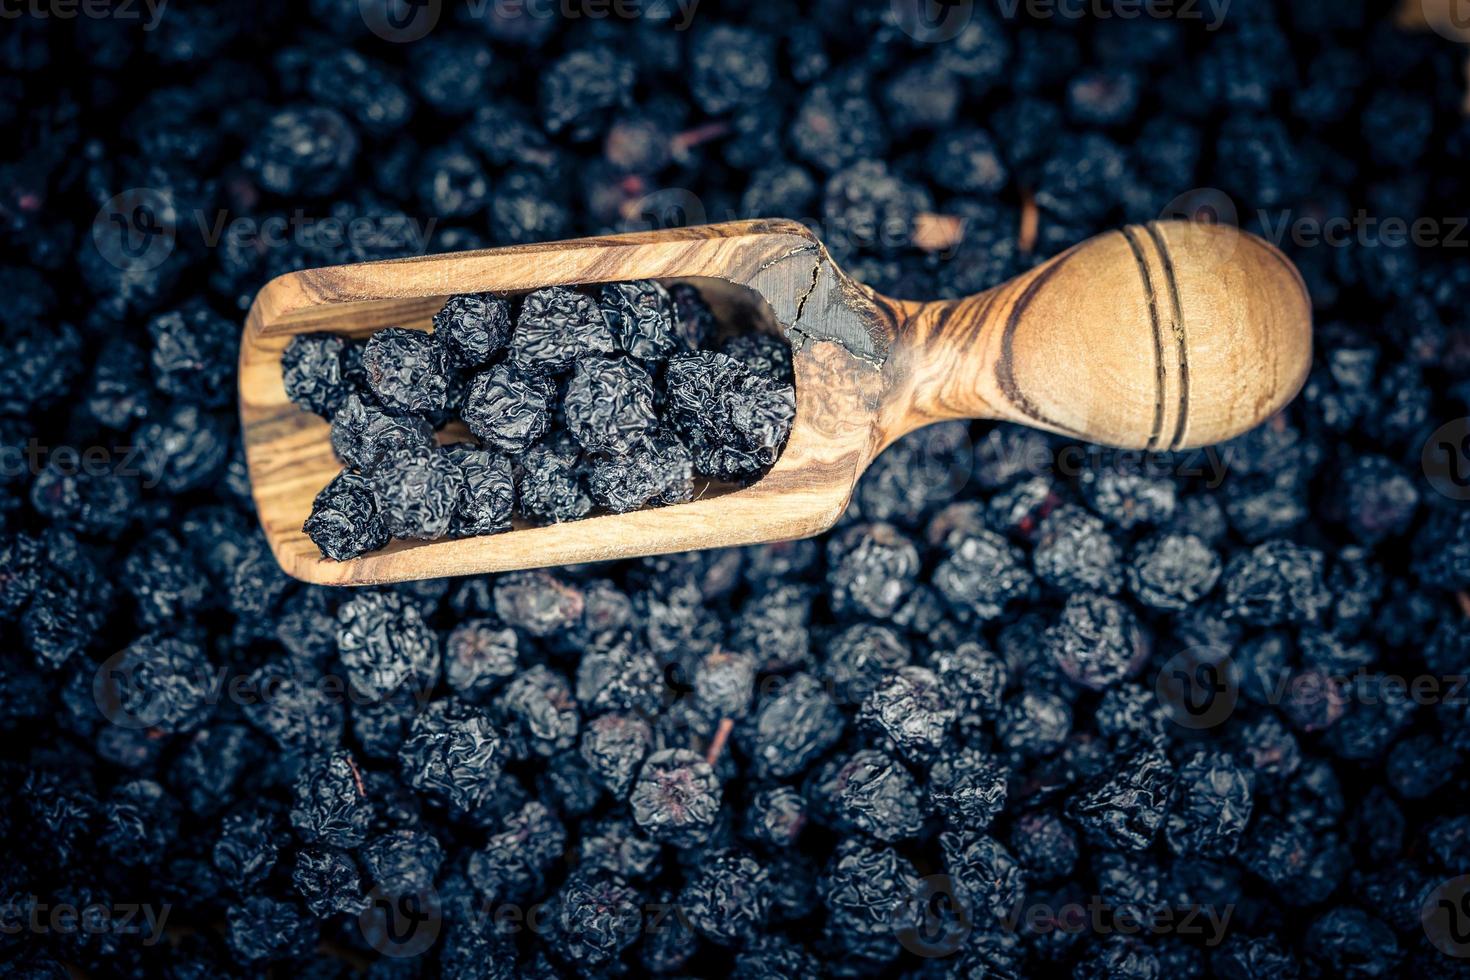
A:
(816, 276)
(840, 332)
(778, 259)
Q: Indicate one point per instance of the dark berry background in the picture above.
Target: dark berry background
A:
(1030, 709)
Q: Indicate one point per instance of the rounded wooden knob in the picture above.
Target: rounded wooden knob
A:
(1162, 336)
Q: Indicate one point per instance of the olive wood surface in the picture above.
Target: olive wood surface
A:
(1157, 337)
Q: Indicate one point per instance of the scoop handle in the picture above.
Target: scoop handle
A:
(1162, 336)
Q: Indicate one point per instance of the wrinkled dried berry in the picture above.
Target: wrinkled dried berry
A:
(1097, 641)
(313, 367)
(363, 435)
(872, 792)
(385, 646)
(472, 328)
(676, 798)
(406, 371)
(1173, 571)
(549, 485)
(346, 519)
(658, 471)
(418, 492)
(641, 316)
(911, 709)
(728, 901)
(609, 405)
(556, 327)
(1126, 807)
(539, 713)
(506, 409)
(331, 803)
(486, 492)
(734, 422)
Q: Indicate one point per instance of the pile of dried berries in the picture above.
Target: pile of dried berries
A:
(614, 400)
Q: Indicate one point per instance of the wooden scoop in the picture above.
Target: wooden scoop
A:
(1157, 337)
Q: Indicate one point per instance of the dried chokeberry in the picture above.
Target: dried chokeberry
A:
(609, 405)
(363, 434)
(641, 316)
(676, 798)
(418, 492)
(734, 421)
(346, 518)
(472, 329)
(556, 327)
(506, 409)
(313, 368)
(406, 371)
(486, 496)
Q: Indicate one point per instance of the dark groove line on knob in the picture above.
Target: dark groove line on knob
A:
(1005, 368)
(1181, 335)
(1153, 314)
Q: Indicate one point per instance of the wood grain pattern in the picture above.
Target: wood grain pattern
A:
(1164, 336)
(1159, 337)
